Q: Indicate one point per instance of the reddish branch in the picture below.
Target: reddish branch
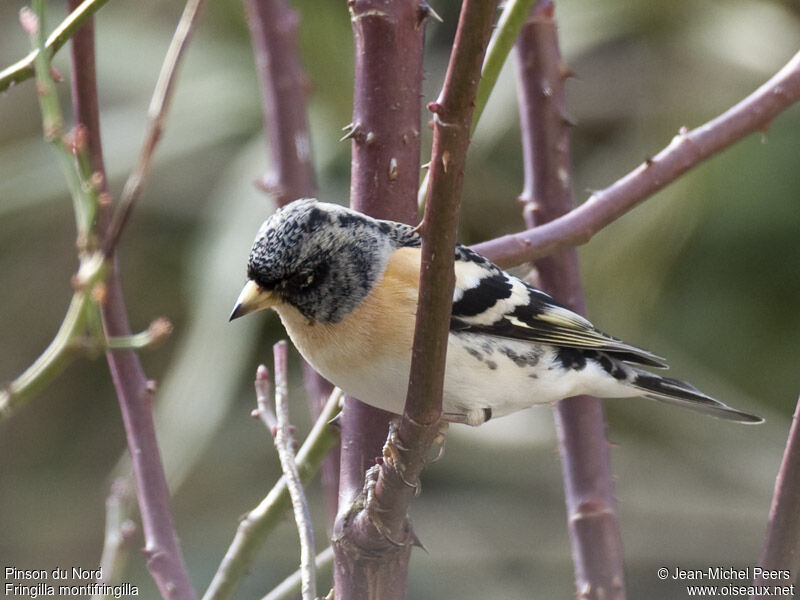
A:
(380, 522)
(134, 391)
(782, 543)
(687, 149)
(384, 178)
(284, 87)
(547, 194)
(273, 33)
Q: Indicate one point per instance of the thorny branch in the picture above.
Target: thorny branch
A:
(405, 452)
(547, 194)
(134, 391)
(384, 134)
(688, 149)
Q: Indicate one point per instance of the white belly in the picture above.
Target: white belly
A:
(482, 371)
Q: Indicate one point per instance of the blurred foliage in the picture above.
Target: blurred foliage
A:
(706, 273)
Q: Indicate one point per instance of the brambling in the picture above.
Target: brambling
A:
(346, 285)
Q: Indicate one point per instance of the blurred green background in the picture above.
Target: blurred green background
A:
(707, 273)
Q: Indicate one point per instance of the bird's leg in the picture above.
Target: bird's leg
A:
(393, 459)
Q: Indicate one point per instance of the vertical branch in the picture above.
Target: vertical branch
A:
(379, 522)
(385, 173)
(782, 543)
(134, 391)
(385, 169)
(405, 453)
(273, 33)
(547, 194)
(284, 86)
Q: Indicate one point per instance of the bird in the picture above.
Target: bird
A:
(346, 285)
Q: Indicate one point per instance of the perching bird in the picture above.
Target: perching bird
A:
(346, 285)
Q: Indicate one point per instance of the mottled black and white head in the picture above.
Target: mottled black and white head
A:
(321, 258)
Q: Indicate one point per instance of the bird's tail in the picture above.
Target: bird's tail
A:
(680, 393)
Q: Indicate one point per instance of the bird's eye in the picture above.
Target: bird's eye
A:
(301, 281)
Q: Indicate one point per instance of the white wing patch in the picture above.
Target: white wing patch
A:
(470, 275)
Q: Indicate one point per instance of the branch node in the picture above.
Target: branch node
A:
(434, 107)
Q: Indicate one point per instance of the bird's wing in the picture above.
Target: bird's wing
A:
(490, 301)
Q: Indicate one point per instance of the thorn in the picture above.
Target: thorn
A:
(445, 160)
(415, 541)
(427, 165)
(683, 130)
(425, 11)
(151, 386)
(648, 162)
(55, 74)
(764, 129)
(370, 139)
(565, 71)
(392, 168)
(254, 413)
(353, 130)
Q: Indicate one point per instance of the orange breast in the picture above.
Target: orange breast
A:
(380, 328)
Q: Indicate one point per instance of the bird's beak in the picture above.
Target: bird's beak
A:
(253, 298)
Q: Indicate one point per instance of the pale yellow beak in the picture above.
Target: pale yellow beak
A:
(253, 298)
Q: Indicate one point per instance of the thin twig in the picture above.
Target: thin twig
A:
(23, 69)
(782, 543)
(256, 526)
(687, 150)
(280, 429)
(157, 114)
(119, 531)
(547, 194)
(283, 444)
(384, 133)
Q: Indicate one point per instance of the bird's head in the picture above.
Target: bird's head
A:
(321, 258)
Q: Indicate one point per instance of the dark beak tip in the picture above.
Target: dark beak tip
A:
(235, 313)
